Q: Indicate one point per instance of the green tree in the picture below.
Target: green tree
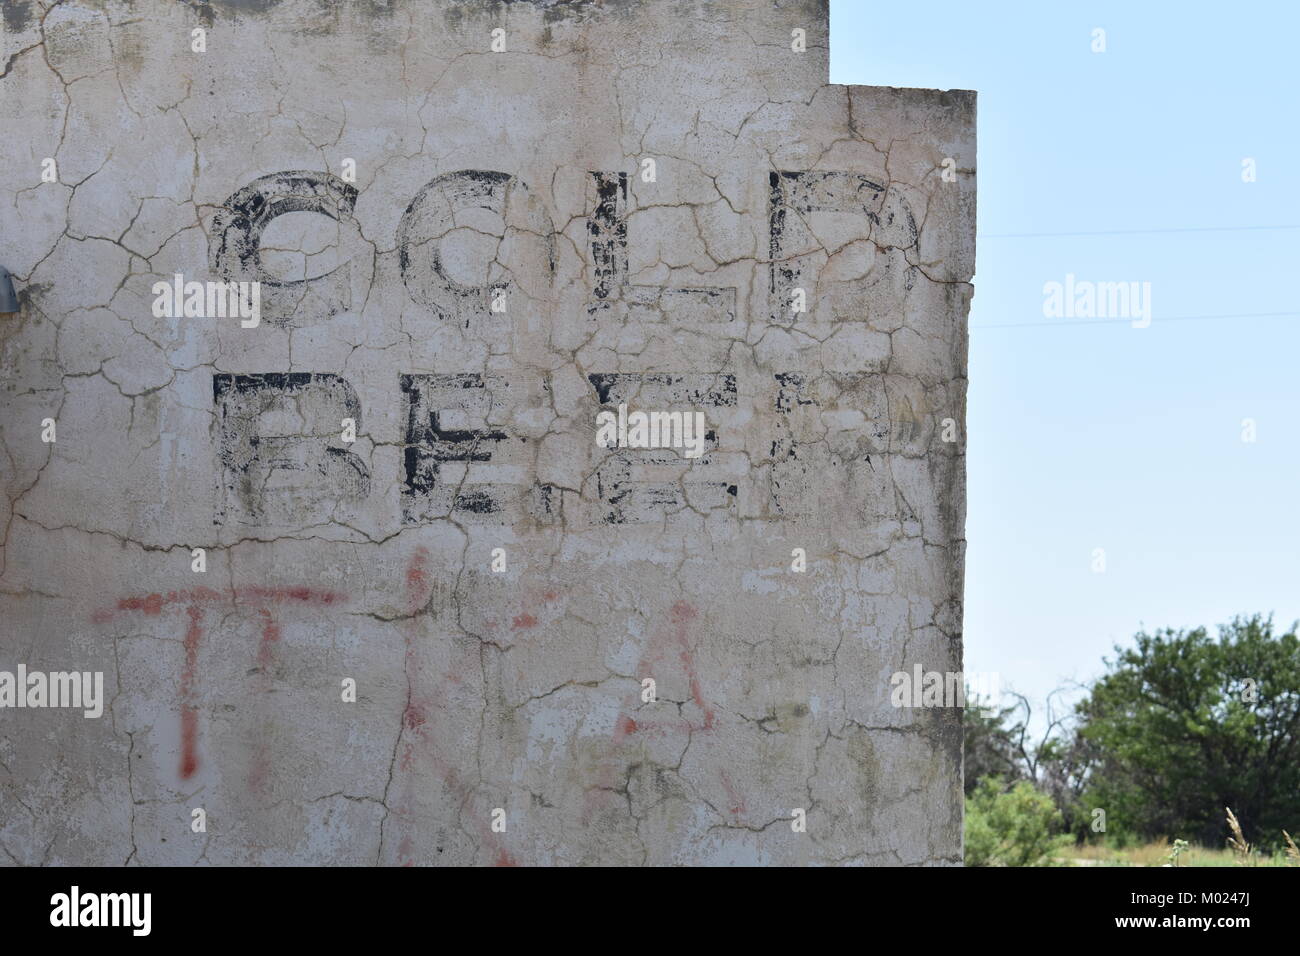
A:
(991, 745)
(1015, 827)
(1056, 760)
(1184, 724)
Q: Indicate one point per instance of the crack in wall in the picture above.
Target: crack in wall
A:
(524, 700)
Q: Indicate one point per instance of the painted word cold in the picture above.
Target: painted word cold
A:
(449, 417)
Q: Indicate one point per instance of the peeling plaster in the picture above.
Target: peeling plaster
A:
(477, 689)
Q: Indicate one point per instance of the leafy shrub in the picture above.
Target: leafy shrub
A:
(1015, 827)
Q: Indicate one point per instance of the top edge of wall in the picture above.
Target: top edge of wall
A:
(611, 30)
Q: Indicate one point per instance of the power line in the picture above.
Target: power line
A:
(1130, 232)
(1154, 321)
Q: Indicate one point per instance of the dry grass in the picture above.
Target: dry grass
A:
(1237, 852)
(1152, 854)
(1157, 854)
(1236, 841)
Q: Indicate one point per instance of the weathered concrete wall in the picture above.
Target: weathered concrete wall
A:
(510, 179)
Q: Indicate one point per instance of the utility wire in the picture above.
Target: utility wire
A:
(1130, 232)
(1157, 320)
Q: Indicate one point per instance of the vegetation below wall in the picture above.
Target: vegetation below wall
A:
(1185, 752)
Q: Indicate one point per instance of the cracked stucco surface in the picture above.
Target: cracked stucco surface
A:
(476, 689)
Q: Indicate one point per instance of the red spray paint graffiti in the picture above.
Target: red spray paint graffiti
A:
(428, 700)
(194, 600)
(189, 705)
(661, 656)
(670, 652)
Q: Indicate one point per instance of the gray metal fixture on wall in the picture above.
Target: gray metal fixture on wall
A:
(8, 297)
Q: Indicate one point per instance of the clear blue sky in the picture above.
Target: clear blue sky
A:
(1107, 436)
